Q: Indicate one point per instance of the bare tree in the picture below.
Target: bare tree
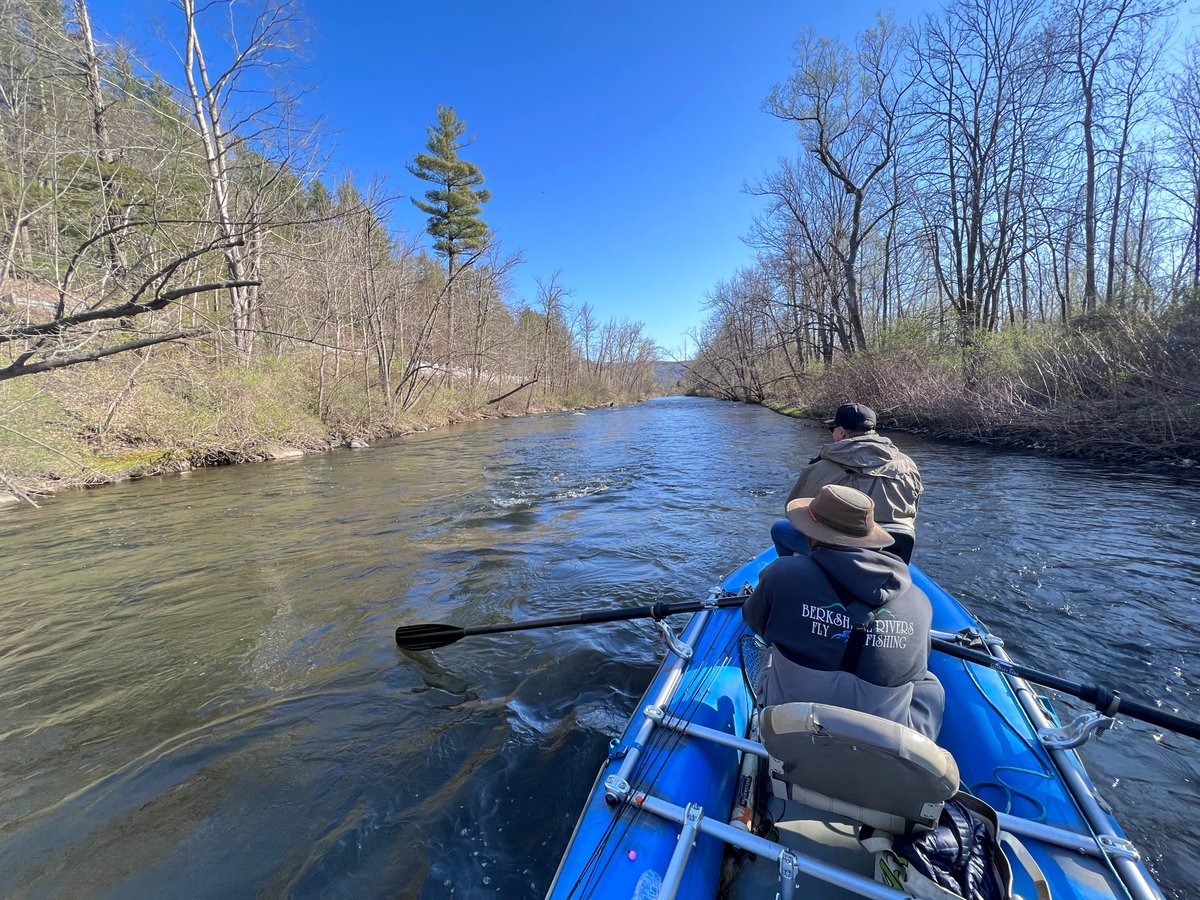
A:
(1184, 89)
(55, 193)
(551, 307)
(489, 282)
(1096, 40)
(807, 216)
(848, 106)
(987, 98)
(584, 330)
(106, 158)
(225, 126)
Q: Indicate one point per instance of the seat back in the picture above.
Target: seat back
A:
(856, 765)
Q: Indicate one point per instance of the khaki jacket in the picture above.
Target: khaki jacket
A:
(874, 465)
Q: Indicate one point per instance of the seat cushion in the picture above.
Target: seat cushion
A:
(859, 759)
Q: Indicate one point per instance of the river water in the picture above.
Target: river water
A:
(200, 695)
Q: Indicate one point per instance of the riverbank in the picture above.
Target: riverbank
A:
(1116, 389)
(131, 418)
(1119, 385)
(1107, 441)
(1110, 441)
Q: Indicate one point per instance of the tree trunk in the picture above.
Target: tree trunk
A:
(216, 157)
(104, 152)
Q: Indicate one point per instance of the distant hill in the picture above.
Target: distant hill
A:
(668, 373)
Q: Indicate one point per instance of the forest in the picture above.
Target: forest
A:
(989, 231)
(183, 283)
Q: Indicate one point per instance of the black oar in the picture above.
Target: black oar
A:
(1106, 700)
(429, 637)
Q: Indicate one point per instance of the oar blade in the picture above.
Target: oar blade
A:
(428, 637)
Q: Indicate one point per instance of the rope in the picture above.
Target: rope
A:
(1007, 791)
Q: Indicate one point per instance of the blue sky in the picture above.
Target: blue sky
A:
(616, 137)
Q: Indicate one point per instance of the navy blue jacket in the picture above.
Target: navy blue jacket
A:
(806, 608)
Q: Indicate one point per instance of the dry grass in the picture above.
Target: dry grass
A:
(172, 409)
(1111, 387)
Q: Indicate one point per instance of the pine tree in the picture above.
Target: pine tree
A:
(454, 205)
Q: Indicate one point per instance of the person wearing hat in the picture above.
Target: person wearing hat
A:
(859, 457)
(845, 624)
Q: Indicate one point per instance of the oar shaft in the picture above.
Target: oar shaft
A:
(1101, 697)
(1151, 714)
(415, 635)
(587, 618)
(1010, 668)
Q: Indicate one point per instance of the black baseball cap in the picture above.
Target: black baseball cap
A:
(853, 417)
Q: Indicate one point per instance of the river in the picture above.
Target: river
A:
(200, 695)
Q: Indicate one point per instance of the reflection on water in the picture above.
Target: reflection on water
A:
(200, 695)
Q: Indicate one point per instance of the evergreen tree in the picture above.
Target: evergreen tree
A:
(456, 202)
(453, 205)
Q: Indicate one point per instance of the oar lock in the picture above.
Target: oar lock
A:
(1077, 732)
(678, 647)
(971, 637)
(718, 599)
(616, 790)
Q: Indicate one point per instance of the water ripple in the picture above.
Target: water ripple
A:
(201, 696)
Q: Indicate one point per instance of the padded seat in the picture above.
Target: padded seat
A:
(858, 766)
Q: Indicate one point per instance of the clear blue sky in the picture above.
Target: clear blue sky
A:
(615, 136)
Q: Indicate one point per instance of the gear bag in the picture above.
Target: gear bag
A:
(962, 857)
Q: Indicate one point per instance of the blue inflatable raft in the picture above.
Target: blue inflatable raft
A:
(658, 821)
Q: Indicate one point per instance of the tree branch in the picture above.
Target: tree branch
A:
(16, 370)
(124, 311)
(513, 391)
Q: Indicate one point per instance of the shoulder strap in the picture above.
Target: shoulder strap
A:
(855, 644)
(858, 633)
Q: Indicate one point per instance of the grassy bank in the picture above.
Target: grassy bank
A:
(132, 417)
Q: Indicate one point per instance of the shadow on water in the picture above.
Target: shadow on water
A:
(201, 696)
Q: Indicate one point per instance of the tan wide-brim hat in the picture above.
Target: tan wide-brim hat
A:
(841, 516)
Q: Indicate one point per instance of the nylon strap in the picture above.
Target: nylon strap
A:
(855, 644)
(858, 633)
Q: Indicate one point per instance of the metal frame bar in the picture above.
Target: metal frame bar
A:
(1079, 842)
(786, 857)
(745, 745)
(616, 786)
(693, 816)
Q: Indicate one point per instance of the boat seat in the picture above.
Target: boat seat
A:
(857, 766)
